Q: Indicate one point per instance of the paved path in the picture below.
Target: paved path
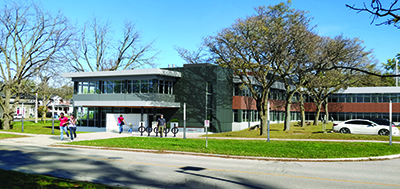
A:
(129, 169)
(54, 140)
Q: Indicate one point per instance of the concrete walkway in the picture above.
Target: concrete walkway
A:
(47, 140)
(54, 140)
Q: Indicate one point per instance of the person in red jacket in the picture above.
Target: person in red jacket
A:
(63, 125)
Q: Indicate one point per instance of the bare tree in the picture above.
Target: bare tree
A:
(195, 57)
(29, 39)
(376, 9)
(328, 77)
(97, 50)
(261, 50)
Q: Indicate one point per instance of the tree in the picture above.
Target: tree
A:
(376, 9)
(297, 65)
(327, 77)
(30, 38)
(260, 50)
(96, 50)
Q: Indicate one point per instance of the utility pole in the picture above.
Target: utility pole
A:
(397, 72)
(36, 102)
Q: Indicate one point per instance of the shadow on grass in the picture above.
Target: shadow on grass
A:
(327, 131)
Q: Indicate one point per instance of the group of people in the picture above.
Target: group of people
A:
(161, 124)
(70, 123)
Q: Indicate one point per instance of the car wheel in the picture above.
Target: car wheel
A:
(345, 131)
(383, 132)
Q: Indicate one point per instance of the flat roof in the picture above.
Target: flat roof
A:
(155, 71)
(355, 90)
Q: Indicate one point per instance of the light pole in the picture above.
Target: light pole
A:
(36, 103)
(52, 118)
(22, 119)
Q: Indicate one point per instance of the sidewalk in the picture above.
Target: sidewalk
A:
(54, 140)
(47, 140)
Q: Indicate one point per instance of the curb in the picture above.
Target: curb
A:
(378, 158)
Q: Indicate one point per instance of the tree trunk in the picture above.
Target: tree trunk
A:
(7, 110)
(317, 113)
(302, 111)
(287, 117)
(262, 106)
(289, 97)
(326, 112)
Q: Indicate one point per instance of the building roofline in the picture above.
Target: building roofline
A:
(366, 90)
(156, 71)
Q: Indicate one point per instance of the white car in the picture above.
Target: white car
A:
(363, 126)
(17, 116)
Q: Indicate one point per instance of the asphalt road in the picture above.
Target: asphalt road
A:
(155, 170)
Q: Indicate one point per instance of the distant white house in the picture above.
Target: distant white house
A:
(25, 107)
(60, 105)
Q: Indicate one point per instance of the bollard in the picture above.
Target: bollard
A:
(148, 130)
(156, 131)
(175, 130)
(166, 130)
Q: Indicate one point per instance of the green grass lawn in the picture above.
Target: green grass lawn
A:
(259, 148)
(13, 179)
(37, 128)
(307, 132)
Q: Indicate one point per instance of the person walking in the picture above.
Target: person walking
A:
(161, 123)
(63, 125)
(72, 126)
(121, 123)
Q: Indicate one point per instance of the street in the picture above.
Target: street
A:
(157, 170)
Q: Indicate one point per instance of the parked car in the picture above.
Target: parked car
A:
(17, 116)
(381, 121)
(363, 126)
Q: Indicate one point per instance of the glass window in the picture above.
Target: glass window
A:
(155, 86)
(386, 97)
(367, 97)
(94, 87)
(360, 98)
(85, 89)
(129, 85)
(135, 86)
(166, 87)
(354, 98)
(373, 98)
(334, 97)
(109, 87)
(117, 87)
(244, 115)
(160, 86)
(235, 116)
(151, 86)
(144, 86)
(80, 87)
(341, 116)
(171, 88)
(348, 97)
(342, 98)
(393, 97)
(209, 87)
(379, 98)
(209, 101)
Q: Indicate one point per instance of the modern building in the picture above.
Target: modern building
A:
(361, 102)
(206, 92)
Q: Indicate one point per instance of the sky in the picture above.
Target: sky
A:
(184, 23)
